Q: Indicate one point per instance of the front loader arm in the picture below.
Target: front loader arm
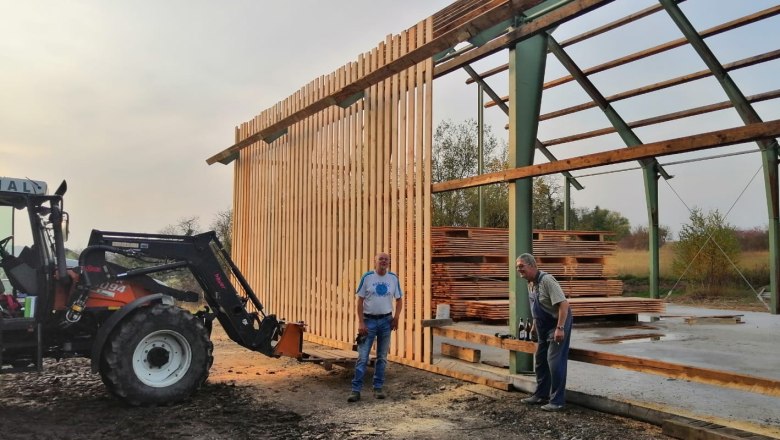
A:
(239, 311)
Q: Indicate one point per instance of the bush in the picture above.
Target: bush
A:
(639, 238)
(756, 239)
(705, 252)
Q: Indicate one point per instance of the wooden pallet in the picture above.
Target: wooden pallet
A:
(328, 357)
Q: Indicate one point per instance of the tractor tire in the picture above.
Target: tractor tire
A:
(159, 355)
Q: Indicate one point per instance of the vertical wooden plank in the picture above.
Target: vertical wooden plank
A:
(340, 232)
(378, 149)
(418, 251)
(309, 217)
(357, 192)
(331, 295)
(365, 172)
(393, 171)
(319, 273)
(400, 264)
(310, 291)
(355, 220)
(427, 180)
(386, 147)
(410, 248)
(304, 219)
(372, 169)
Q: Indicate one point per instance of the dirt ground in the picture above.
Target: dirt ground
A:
(250, 396)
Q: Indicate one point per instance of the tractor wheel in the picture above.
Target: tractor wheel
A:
(158, 356)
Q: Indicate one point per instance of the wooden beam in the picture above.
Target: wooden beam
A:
(696, 142)
(483, 339)
(726, 379)
(774, 94)
(488, 15)
(463, 353)
(437, 322)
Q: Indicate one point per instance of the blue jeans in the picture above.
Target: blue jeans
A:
(551, 362)
(381, 330)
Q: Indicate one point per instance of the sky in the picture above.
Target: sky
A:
(126, 100)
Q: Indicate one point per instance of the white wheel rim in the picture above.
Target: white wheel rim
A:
(157, 373)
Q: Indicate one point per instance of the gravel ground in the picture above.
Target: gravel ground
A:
(249, 396)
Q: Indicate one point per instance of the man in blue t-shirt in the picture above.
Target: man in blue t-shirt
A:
(378, 290)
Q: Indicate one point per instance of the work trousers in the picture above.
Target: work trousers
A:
(379, 329)
(552, 359)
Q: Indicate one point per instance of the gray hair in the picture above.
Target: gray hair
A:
(527, 259)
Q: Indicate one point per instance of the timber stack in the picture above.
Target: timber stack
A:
(471, 272)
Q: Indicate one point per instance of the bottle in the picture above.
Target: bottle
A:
(521, 333)
(529, 334)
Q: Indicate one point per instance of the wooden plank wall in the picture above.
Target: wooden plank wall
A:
(312, 208)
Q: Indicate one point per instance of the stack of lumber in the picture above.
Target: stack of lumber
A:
(471, 269)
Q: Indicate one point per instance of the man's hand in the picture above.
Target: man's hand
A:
(395, 323)
(362, 329)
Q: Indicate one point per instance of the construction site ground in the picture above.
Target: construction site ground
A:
(252, 396)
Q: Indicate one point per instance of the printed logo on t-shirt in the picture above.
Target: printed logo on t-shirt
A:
(381, 288)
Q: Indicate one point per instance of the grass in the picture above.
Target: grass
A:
(632, 266)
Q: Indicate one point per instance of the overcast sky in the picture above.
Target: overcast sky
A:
(126, 100)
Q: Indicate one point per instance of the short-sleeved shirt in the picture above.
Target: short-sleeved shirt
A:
(549, 291)
(379, 292)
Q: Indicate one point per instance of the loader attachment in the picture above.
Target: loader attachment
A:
(225, 289)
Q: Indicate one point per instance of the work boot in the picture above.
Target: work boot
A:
(552, 407)
(353, 397)
(533, 400)
(379, 394)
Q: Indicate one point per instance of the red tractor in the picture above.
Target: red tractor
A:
(147, 349)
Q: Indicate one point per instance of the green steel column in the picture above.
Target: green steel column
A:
(769, 159)
(650, 173)
(769, 147)
(526, 77)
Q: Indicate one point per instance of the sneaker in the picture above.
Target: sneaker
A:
(353, 397)
(533, 400)
(379, 394)
(552, 407)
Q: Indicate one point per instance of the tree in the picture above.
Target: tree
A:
(548, 203)
(639, 237)
(456, 157)
(186, 226)
(706, 249)
(223, 226)
(599, 219)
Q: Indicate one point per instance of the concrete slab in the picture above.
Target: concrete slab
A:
(749, 348)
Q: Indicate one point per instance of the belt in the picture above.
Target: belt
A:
(367, 316)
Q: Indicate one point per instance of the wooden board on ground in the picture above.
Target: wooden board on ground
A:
(684, 428)
(462, 353)
(726, 319)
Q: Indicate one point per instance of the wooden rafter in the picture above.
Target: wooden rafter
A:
(701, 141)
